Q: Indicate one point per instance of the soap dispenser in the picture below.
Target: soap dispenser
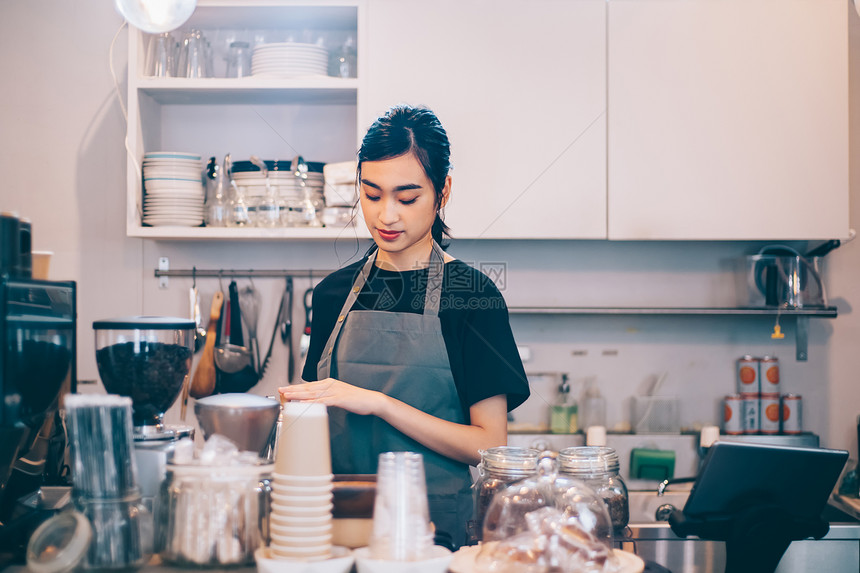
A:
(564, 413)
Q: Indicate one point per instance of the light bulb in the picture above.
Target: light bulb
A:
(156, 16)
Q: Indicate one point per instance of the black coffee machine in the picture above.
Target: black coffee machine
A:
(37, 368)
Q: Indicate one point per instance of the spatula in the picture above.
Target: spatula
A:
(203, 383)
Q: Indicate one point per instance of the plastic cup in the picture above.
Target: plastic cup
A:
(303, 444)
(401, 516)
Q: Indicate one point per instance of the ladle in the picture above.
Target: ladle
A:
(232, 358)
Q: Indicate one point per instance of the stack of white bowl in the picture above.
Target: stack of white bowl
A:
(300, 520)
(289, 59)
(172, 189)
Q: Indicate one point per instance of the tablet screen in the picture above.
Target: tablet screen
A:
(735, 476)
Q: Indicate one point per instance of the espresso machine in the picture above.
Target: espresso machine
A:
(37, 368)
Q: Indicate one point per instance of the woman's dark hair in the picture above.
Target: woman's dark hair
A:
(405, 129)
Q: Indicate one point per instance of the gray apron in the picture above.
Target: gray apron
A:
(402, 355)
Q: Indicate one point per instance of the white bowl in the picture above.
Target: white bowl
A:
(302, 500)
(437, 562)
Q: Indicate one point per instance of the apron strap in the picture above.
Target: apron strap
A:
(432, 296)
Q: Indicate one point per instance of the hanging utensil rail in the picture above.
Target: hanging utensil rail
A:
(239, 273)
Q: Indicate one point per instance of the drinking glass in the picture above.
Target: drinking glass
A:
(160, 56)
(193, 56)
(239, 60)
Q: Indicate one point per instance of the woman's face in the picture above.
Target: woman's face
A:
(399, 206)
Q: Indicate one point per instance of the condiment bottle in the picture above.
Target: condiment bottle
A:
(500, 467)
(598, 468)
(563, 414)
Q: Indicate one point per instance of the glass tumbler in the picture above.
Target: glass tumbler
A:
(160, 57)
(239, 60)
(193, 56)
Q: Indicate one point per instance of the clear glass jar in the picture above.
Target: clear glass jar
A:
(598, 467)
(500, 467)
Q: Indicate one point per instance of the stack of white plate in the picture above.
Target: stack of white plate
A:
(172, 189)
(285, 184)
(289, 59)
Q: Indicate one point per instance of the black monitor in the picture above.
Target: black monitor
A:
(758, 499)
(735, 476)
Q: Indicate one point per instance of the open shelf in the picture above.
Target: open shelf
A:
(801, 316)
(250, 90)
(820, 312)
(248, 233)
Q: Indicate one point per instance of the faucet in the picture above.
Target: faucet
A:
(661, 489)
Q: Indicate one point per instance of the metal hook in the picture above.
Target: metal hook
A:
(220, 276)
(193, 277)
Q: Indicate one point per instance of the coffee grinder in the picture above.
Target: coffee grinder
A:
(148, 359)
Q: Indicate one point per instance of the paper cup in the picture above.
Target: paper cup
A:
(303, 444)
(302, 500)
(292, 511)
(299, 531)
(41, 264)
(295, 521)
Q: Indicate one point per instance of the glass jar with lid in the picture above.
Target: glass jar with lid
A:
(598, 467)
(499, 468)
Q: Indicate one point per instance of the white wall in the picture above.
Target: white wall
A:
(62, 157)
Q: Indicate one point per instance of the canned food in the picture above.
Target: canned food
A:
(769, 375)
(770, 414)
(792, 414)
(748, 375)
(752, 414)
(733, 406)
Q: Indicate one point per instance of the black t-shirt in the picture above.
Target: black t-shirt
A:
(473, 315)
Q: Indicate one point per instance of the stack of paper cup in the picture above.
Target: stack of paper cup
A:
(300, 517)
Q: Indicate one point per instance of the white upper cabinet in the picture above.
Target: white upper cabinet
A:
(520, 87)
(728, 119)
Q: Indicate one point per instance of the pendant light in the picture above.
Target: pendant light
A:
(156, 16)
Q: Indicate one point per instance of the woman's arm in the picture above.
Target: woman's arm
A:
(457, 441)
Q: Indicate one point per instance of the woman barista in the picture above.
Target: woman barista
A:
(411, 349)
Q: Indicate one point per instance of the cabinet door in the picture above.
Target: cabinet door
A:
(520, 86)
(728, 119)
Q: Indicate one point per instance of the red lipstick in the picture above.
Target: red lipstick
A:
(388, 235)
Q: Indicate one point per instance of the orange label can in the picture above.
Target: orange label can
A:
(770, 414)
(733, 406)
(792, 414)
(769, 375)
(748, 375)
(751, 413)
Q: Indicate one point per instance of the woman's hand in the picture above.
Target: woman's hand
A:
(333, 392)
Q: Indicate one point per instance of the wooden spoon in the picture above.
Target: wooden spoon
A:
(203, 383)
